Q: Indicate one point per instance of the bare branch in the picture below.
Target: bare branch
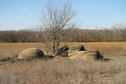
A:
(58, 16)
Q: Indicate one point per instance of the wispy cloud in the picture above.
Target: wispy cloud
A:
(16, 26)
(24, 9)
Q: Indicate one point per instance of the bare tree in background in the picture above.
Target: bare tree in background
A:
(58, 16)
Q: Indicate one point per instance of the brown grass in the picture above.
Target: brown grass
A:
(64, 70)
(102, 46)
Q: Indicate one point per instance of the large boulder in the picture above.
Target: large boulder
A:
(31, 53)
(86, 55)
(78, 48)
(63, 51)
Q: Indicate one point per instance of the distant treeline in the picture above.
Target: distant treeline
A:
(71, 35)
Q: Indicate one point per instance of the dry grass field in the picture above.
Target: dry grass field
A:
(64, 70)
(102, 46)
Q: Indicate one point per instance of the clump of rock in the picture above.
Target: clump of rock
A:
(79, 52)
(31, 53)
(63, 51)
(86, 55)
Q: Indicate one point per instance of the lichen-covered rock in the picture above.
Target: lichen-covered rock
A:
(31, 53)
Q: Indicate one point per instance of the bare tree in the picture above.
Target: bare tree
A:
(57, 17)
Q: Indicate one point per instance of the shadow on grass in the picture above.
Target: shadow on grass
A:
(47, 57)
(15, 59)
(107, 59)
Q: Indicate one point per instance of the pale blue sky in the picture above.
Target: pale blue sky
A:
(21, 14)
